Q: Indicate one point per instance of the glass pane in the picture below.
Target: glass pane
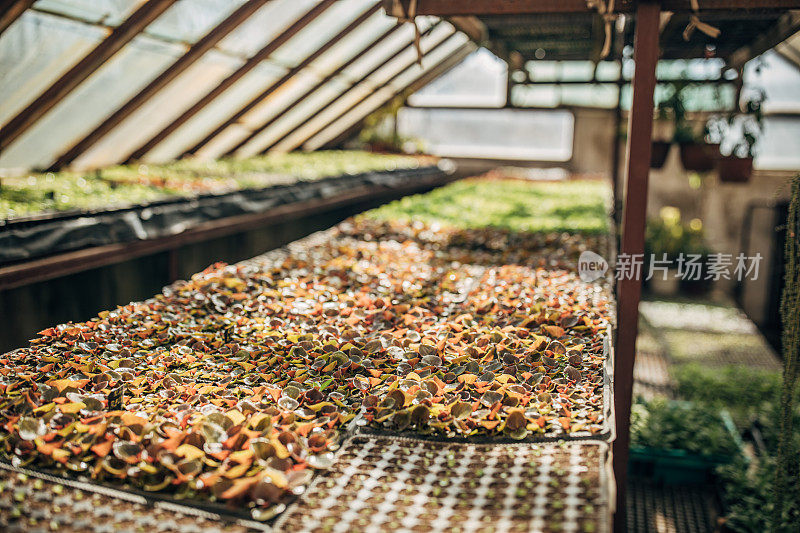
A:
(407, 77)
(107, 89)
(109, 12)
(480, 80)
(218, 111)
(306, 114)
(535, 95)
(275, 104)
(34, 52)
(779, 147)
(327, 25)
(189, 20)
(266, 24)
(159, 111)
(330, 131)
(502, 133)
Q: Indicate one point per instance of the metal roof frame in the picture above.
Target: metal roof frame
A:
(449, 8)
(249, 65)
(406, 68)
(195, 52)
(87, 66)
(338, 97)
(358, 21)
(335, 72)
(11, 10)
(439, 69)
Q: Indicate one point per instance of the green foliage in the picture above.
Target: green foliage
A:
(748, 496)
(670, 425)
(667, 234)
(517, 205)
(788, 466)
(133, 184)
(63, 191)
(304, 165)
(745, 392)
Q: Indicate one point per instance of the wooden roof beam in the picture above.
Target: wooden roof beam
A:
(437, 71)
(70, 80)
(285, 79)
(786, 26)
(219, 32)
(249, 65)
(450, 8)
(319, 85)
(11, 10)
(410, 65)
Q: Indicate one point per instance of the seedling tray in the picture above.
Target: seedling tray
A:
(408, 485)
(678, 467)
(32, 500)
(37, 236)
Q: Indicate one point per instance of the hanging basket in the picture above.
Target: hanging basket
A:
(698, 157)
(659, 153)
(734, 169)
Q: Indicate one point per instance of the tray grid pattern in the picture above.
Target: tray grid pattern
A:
(399, 484)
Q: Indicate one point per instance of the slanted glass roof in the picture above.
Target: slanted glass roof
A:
(38, 50)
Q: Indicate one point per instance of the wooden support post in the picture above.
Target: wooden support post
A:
(629, 287)
(249, 65)
(11, 10)
(68, 82)
(233, 21)
(283, 80)
(410, 65)
(328, 103)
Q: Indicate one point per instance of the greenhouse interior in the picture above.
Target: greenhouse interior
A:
(400, 265)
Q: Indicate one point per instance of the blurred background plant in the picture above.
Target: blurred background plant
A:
(668, 234)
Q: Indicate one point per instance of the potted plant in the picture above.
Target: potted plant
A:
(666, 236)
(695, 155)
(676, 442)
(660, 148)
(745, 129)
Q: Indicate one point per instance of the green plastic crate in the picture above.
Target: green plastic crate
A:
(679, 467)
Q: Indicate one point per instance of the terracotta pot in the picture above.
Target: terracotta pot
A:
(697, 156)
(659, 153)
(734, 169)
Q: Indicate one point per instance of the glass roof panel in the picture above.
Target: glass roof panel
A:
(274, 104)
(111, 86)
(440, 54)
(159, 111)
(356, 41)
(109, 12)
(297, 116)
(216, 112)
(480, 80)
(34, 52)
(188, 20)
(317, 33)
(378, 54)
(322, 119)
(266, 24)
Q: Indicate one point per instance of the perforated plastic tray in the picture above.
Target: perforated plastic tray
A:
(409, 485)
(35, 501)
